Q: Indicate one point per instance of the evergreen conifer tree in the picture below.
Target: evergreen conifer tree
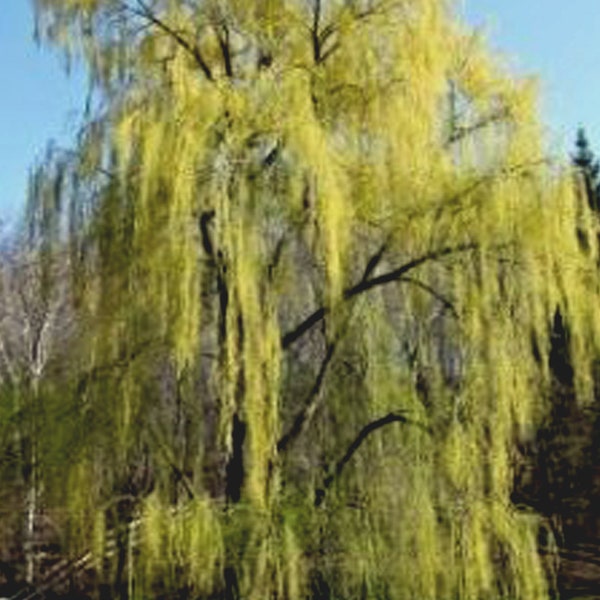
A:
(588, 167)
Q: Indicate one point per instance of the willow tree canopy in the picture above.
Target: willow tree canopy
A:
(315, 249)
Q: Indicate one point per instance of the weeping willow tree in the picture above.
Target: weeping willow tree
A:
(315, 250)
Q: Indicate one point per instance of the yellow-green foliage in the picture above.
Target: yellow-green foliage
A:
(222, 202)
(179, 547)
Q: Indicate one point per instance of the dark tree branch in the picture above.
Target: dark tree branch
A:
(320, 38)
(223, 38)
(371, 282)
(397, 274)
(205, 218)
(316, 38)
(180, 475)
(216, 261)
(326, 33)
(311, 405)
(305, 416)
(145, 12)
(123, 362)
(355, 445)
(316, 317)
(276, 259)
(447, 304)
(460, 132)
(374, 261)
(325, 55)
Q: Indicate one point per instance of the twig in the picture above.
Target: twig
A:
(447, 304)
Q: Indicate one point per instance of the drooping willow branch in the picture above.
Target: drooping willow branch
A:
(367, 430)
(369, 283)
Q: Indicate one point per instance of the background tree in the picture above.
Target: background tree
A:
(310, 244)
(35, 325)
(558, 477)
(588, 168)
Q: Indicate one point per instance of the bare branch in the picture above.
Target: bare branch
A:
(355, 445)
(460, 132)
(222, 33)
(205, 218)
(311, 405)
(289, 338)
(305, 416)
(146, 13)
(447, 304)
(397, 274)
(374, 261)
(316, 24)
(276, 259)
(320, 38)
(372, 282)
(325, 55)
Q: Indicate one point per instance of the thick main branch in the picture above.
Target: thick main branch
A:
(369, 283)
(356, 444)
(305, 415)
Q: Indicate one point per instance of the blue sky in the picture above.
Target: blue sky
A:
(558, 41)
(555, 39)
(38, 102)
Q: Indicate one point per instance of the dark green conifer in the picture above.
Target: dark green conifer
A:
(587, 165)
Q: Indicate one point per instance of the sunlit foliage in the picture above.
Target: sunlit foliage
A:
(315, 250)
